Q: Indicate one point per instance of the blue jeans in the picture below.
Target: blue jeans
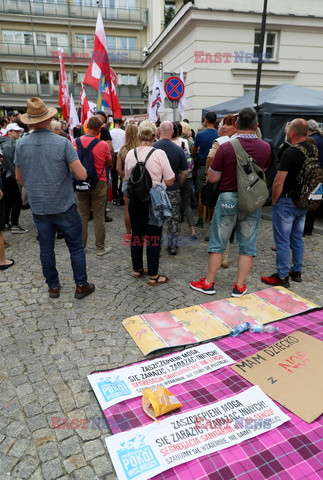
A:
(70, 224)
(288, 226)
(227, 215)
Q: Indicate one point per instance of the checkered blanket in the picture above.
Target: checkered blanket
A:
(291, 451)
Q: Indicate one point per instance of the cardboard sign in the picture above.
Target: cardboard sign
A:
(124, 383)
(144, 452)
(289, 371)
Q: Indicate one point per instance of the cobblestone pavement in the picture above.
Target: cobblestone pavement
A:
(49, 346)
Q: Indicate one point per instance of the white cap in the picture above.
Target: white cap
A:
(14, 126)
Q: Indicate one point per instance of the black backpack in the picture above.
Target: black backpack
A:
(140, 183)
(86, 158)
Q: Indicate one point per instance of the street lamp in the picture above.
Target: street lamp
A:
(260, 57)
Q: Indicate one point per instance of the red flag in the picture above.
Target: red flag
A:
(99, 64)
(63, 95)
(86, 111)
(110, 96)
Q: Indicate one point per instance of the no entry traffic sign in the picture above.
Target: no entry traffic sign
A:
(174, 88)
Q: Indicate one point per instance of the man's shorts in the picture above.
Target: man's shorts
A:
(200, 178)
(2, 216)
(226, 216)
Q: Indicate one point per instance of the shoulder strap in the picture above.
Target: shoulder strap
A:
(78, 143)
(92, 144)
(237, 147)
(239, 150)
(149, 154)
(183, 145)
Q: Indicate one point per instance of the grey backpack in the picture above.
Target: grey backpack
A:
(251, 180)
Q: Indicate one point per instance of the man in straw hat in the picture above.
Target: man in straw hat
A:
(43, 160)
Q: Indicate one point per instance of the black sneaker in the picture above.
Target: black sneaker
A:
(107, 218)
(295, 276)
(199, 223)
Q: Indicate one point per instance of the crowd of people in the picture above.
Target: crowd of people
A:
(40, 162)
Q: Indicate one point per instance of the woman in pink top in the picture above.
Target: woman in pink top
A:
(142, 233)
(131, 141)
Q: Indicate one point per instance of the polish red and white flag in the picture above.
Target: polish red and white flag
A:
(64, 94)
(99, 64)
(86, 107)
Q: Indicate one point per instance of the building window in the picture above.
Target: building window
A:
(32, 76)
(128, 79)
(270, 51)
(128, 4)
(84, 41)
(36, 38)
(121, 43)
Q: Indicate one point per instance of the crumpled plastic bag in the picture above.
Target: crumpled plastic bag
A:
(158, 400)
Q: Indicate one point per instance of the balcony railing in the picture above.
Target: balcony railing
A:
(43, 90)
(63, 8)
(72, 54)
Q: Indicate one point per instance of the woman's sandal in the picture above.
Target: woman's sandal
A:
(156, 281)
(140, 273)
(7, 265)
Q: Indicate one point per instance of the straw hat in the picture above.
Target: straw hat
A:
(37, 111)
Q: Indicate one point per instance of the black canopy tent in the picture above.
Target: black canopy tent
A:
(277, 106)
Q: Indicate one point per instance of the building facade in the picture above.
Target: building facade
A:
(217, 46)
(32, 31)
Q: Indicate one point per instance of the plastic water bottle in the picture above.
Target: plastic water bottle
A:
(263, 329)
(242, 327)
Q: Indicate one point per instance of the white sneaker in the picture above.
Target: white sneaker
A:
(18, 229)
(103, 251)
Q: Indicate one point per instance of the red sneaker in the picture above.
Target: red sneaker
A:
(203, 287)
(276, 281)
(239, 291)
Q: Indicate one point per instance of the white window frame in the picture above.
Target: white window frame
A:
(38, 72)
(85, 35)
(128, 75)
(34, 37)
(118, 43)
(275, 46)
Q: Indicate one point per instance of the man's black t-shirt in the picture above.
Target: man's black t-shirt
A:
(105, 134)
(292, 161)
(176, 158)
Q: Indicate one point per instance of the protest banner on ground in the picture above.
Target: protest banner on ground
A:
(123, 383)
(289, 371)
(146, 451)
(189, 325)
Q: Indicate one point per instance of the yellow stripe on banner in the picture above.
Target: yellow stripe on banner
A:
(257, 308)
(200, 322)
(144, 336)
(298, 297)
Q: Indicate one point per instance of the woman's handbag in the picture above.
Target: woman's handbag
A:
(209, 194)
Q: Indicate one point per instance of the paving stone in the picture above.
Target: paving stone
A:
(74, 463)
(37, 422)
(93, 449)
(47, 452)
(70, 446)
(19, 448)
(102, 466)
(85, 473)
(25, 468)
(52, 469)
